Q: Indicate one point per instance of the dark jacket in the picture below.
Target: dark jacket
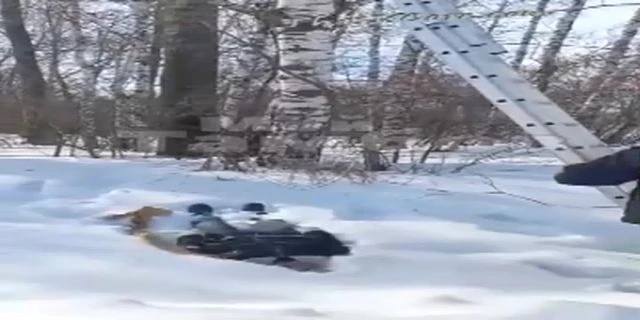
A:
(615, 169)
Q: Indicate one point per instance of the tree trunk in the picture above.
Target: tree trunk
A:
(499, 13)
(610, 71)
(345, 11)
(563, 28)
(375, 30)
(123, 64)
(156, 48)
(53, 15)
(189, 78)
(131, 112)
(39, 130)
(89, 81)
(527, 37)
(143, 40)
(373, 160)
(246, 89)
(143, 32)
(400, 85)
(301, 118)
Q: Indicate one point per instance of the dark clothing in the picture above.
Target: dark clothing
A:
(632, 208)
(615, 169)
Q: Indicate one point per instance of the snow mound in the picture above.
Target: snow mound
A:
(458, 246)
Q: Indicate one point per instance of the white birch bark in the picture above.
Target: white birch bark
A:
(122, 73)
(553, 47)
(305, 49)
(609, 72)
(370, 145)
(128, 114)
(89, 78)
(375, 29)
(528, 34)
(249, 75)
(250, 72)
(394, 119)
(143, 24)
(496, 20)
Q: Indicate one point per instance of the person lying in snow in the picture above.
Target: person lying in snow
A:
(615, 169)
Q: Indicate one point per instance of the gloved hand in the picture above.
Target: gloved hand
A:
(615, 169)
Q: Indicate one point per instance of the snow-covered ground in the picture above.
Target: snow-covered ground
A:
(499, 240)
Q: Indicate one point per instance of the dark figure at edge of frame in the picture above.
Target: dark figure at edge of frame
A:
(615, 169)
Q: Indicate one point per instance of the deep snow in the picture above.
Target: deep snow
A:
(499, 240)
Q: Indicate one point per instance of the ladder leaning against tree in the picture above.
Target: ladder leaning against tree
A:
(471, 52)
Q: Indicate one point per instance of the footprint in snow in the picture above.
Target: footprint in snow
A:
(449, 299)
(131, 303)
(501, 217)
(303, 312)
(627, 287)
(577, 270)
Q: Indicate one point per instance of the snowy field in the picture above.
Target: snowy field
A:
(498, 240)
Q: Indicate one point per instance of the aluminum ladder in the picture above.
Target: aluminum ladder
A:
(464, 47)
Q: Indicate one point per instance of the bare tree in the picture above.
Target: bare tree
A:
(248, 84)
(610, 69)
(372, 156)
(132, 111)
(156, 47)
(400, 88)
(552, 49)
(90, 69)
(190, 74)
(495, 22)
(143, 32)
(528, 34)
(375, 29)
(34, 95)
(305, 48)
(122, 103)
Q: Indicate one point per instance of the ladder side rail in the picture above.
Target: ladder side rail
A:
(564, 125)
(555, 141)
(542, 106)
(462, 66)
(419, 11)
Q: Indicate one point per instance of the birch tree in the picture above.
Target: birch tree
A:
(373, 159)
(375, 29)
(33, 93)
(121, 102)
(143, 13)
(143, 32)
(495, 22)
(90, 74)
(155, 55)
(527, 36)
(610, 70)
(395, 118)
(130, 109)
(552, 49)
(301, 117)
(250, 75)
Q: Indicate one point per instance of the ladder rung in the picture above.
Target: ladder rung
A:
(473, 33)
(465, 48)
